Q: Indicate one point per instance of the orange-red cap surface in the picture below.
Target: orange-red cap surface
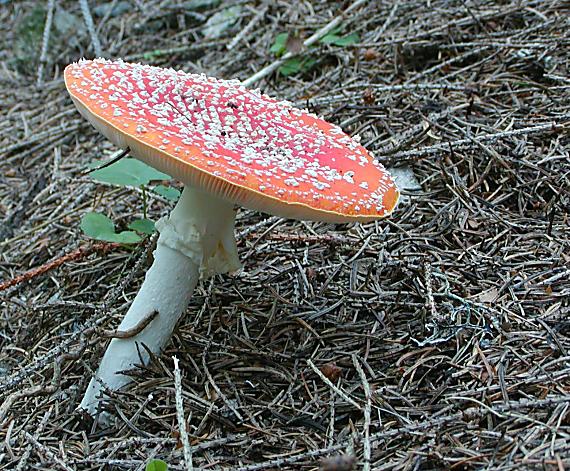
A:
(234, 142)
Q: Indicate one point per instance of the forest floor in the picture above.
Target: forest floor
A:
(438, 338)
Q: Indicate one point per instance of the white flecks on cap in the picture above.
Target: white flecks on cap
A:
(287, 150)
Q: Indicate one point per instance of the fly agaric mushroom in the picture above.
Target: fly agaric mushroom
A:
(229, 145)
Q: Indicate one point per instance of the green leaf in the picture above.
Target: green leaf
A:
(97, 225)
(128, 172)
(144, 226)
(167, 192)
(100, 227)
(156, 465)
(126, 237)
(336, 40)
(348, 40)
(296, 65)
(329, 38)
(279, 46)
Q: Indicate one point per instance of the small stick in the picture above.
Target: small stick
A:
(128, 333)
(247, 29)
(91, 28)
(367, 413)
(46, 451)
(180, 416)
(45, 40)
(429, 293)
(329, 383)
(266, 222)
(78, 254)
(218, 390)
(23, 462)
(491, 137)
(115, 159)
(331, 432)
(388, 20)
(309, 238)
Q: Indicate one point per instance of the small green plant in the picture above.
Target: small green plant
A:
(279, 46)
(171, 194)
(297, 64)
(284, 42)
(156, 465)
(100, 227)
(336, 40)
(142, 226)
(126, 172)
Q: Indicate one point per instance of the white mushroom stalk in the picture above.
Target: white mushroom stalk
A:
(196, 240)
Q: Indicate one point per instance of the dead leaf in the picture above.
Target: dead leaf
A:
(368, 97)
(294, 44)
(548, 290)
(370, 54)
(331, 371)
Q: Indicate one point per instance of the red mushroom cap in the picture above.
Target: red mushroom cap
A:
(235, 143)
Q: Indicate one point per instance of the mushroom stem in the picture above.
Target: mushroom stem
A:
(197, 239)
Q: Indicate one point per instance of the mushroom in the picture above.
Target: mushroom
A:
(230, 146)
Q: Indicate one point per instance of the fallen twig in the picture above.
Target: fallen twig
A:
(180, 416)
(135, 330)
(77, 254)
(95, 43)
(45, 41)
